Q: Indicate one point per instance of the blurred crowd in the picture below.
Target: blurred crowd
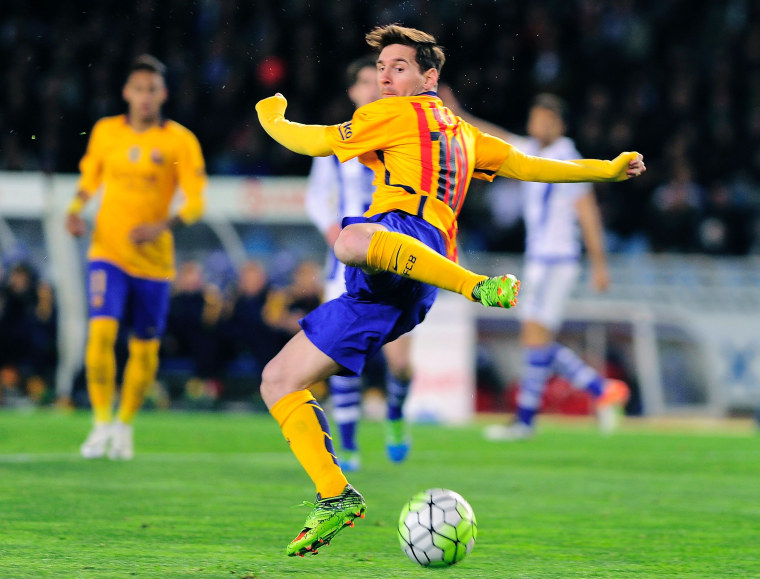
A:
(28, 334)
(219, 330)
(678, 80)
(215, 334)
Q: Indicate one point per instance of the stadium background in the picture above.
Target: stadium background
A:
(677, 80)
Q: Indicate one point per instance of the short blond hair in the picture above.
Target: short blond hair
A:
(428, 53)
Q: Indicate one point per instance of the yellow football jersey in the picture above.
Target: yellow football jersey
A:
(139, 173)
(423, 156)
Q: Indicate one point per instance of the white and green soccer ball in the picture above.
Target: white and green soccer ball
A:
(437, 528)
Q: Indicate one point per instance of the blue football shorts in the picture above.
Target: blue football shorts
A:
(140, 304)
(375, 309)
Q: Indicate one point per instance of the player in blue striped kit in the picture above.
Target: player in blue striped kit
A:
(556, 216)
(336, 191)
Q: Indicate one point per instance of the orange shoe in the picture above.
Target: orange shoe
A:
(610, 405)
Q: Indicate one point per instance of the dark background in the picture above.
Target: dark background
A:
(676, 80)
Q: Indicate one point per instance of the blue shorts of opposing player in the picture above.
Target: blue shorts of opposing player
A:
(375, 309)
(140, 304)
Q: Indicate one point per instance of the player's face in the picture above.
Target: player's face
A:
(398, 73)
(545, 125)
(364, 90)
(145, 93)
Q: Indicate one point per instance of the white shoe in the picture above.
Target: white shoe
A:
(508, 432)
(611, 405)
(122, 446)
(97, 441)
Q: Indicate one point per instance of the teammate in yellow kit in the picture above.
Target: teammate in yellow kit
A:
(137, 160)
(423, 158)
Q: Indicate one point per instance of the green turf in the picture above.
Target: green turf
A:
(211, 495)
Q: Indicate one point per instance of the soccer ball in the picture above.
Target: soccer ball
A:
(437, 528)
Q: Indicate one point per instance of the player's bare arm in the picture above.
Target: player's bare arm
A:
(593, 238)
(75, 224)
(332, 233)
(450, 101)
(148, 232)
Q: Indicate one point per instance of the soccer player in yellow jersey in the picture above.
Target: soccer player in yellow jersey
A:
(137, 161)
(399, 252)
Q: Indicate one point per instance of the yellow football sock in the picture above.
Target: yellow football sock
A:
(404, 255)
(139, 374)
(304, 425)
(100, 365)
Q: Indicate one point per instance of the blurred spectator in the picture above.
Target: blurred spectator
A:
(725, 227)
(675, 212)
(192, 328)
(691, 86)
(28, 331)
(287, 306)
(245, 333)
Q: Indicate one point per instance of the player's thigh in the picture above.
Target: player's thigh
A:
(534, 334)
(107, 290)
(150, 307)
(296, 367)
(547, 287)
(398, 355)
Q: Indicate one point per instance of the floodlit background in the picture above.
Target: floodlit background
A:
(676, 80)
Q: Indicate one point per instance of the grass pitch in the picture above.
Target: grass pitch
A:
(211, 495)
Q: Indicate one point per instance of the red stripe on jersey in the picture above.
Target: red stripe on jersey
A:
(465, 164)
(462, 161)
(460, 157)
(452, 233)
(442, 127)
(426, 150)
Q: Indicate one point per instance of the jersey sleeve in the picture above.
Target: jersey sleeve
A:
(578, 190)
(368, 130)
(191, 175)
(490, 153)
(321, 193)
(575, 190)
(91, 165)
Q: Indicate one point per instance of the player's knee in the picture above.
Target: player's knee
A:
(400, 369)
(352, 245)
(404, 373)
(101, 339)
(273, 382)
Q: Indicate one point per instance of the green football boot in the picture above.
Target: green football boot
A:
(327, 517)
(500, 291)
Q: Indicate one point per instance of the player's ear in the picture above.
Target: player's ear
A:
(431, 79)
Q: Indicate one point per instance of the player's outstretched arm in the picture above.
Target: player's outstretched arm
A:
(452, 103)
(75, 225)
(524, 167)
(304, 139)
